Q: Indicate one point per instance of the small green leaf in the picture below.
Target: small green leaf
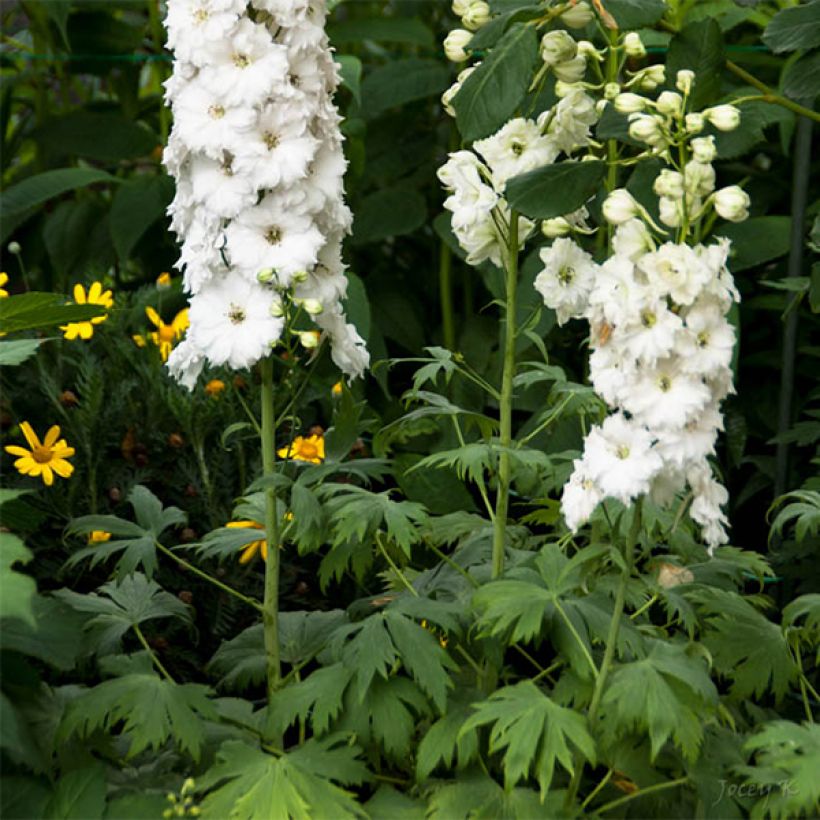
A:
(16, 589)
(382, 29)
(36, 190)
(80, 794)
(794, 28)
(632, 14)
(16, 352)
(756, 240)
(802, 78)
(492, 93)
(555, 190)
(350, 73)
(34, 310)
(402, 81)
(389, 212)
(699, 47)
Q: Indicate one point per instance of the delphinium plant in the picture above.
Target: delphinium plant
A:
(574, 636)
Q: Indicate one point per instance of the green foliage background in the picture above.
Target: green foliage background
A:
(415, 685)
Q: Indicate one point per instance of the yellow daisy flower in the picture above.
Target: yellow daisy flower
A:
(96, 296)
(43, 459)
(214, 387)
(166, 336)
(310, 448)
(98, 536)
(4, 279)
(249, 551)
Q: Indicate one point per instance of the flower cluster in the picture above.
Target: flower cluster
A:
(481, 215)
(257, 156)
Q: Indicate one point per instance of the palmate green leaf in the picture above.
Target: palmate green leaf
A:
(794, 28)
(492, 93)
(535, 731)
(241, 661)
(136, 541)
(152, 709)
(470, 462)
(746, 647)
(357, 513)
(16, 589)
(317, 699)
(422, 656)
(667, 695)
(79, 795)
(805, 607)
(389, 804)
(249, 784)
(788, 759)
(444, 740)
(478, 797)
(555, 190)
(803, 510)
(121, 605)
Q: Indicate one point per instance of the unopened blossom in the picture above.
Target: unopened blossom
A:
(256, 152)
(732, 203)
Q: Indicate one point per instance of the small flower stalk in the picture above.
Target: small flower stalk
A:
(256, 152)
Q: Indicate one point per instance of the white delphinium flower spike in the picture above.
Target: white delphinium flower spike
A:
(256, 151)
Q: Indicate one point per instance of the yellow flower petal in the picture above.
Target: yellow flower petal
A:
(48, 476)
(153, 317)
(14, 450)
(79, 294)
(30, 435)
(51, 436)
(62, 467)
(94, 293)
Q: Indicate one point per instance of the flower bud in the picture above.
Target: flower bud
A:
(695, 123)
(265, 276)
(299, 277)
(633, 45)
(589, 51)
(732, 203)
(578, 16)
(684, 80)
(563, 89)
(571, 71)
(723, 117)
(628, 103)
(276, 309)
(558, 226)
(670, 103)
(619, 206)
(700, 178)
(309, 338)
(645, 128)
(611, 91)
(669, 183)
(455, 43)
(703, 149)
(14, 247)
(650, 78)
(311, 306)
(460, 7)
(477, 15)
(558, 47)
(670, 211)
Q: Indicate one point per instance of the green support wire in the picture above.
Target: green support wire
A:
(167, 58)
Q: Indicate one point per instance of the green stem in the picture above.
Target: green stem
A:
(209, 578)
(270, 606)
(597, 789)
(578, 639)
(671, 784)
(505, 405)
(638, 612)
(395, 567)
(157, 662)
(451, 563)
(611, 642)
(769, 94)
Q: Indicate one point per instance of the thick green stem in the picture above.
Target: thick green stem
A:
(611, 641)
(502, 500)
(156, 661)
(270, 605)
(769, 94)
